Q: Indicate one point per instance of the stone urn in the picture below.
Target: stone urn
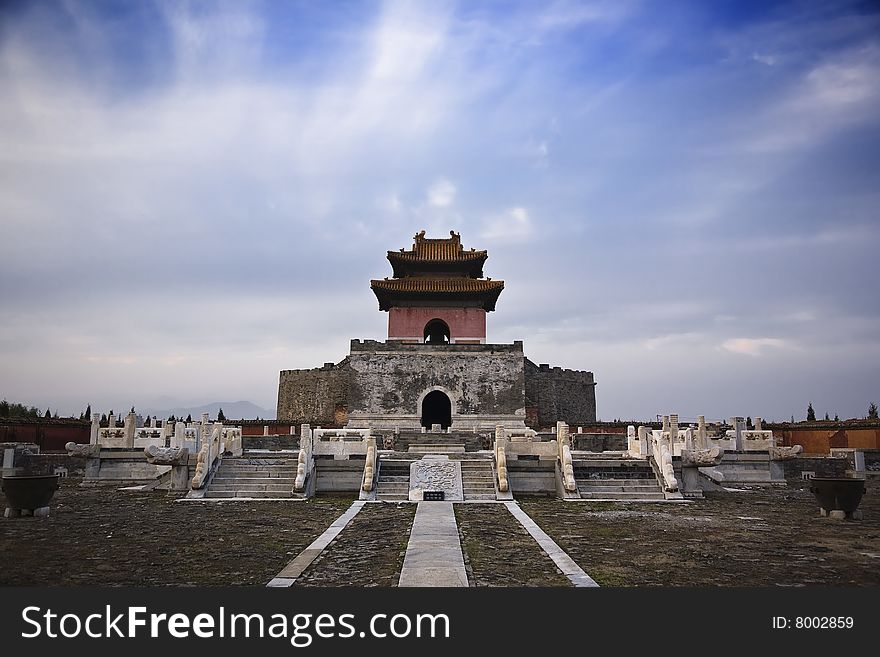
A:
(838, 497)
(29, 494)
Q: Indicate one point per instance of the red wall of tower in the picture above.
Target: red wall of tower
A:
(464, 323)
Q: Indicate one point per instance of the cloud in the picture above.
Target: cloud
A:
(512, 225)
(441, 194)
(752, 346)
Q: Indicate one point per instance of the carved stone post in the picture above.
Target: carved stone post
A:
(739, 427)
(96, 425)
(644, 447)
(129, 429)
(702, 434)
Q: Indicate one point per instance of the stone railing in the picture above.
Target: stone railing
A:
(369, 466)
(565, 463)
(209, 453)
(231, 437)
(339, 434)
(304, 458)
(663, 458)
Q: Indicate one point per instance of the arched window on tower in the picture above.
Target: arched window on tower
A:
(437, 332)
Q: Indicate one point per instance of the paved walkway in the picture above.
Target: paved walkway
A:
(304, 559)
(433, 555)
(559, 556)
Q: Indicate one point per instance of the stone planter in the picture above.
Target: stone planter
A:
(838, 497)
(29, 494)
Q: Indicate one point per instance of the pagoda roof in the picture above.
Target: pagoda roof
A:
(437, 254)
(391, 291)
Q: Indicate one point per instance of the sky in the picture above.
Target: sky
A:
(681, 197)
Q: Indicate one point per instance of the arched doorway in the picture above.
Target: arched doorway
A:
(436, 332)
(436, 409)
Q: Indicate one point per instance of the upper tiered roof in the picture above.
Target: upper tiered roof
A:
(429, 256)
(437, 271)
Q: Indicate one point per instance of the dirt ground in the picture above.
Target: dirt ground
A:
(124, 538)
(755, 538)
(368, 552)
(499, 552)
(770, 537)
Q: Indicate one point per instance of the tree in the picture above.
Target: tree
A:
(104, 421)
(792, 419)
(172, 418)
(749, 422)
(836, 419)
(88, 412)
(189, 418)
(826, 417)
(220, 416)
(811, 414)
(872, 411)
(48, 414)
(132, 410)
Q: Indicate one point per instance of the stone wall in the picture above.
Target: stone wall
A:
(557, 394)
(317, 396)
(51, 434)
(389, 380)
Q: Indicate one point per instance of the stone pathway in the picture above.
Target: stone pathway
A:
(433, 555)
(295, 568)
(564, 562)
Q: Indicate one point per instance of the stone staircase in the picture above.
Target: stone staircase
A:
(478, 479)
(255, 477)
(615, 477)
(426, 443)
(393, 484)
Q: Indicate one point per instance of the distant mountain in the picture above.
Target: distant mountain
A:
(232, 410)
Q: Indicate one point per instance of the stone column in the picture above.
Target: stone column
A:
(179, 434)
(153, 424)
(673, 433)
(689, 439)
(265, 429)
(292, 429)
(96, 425)
(129, 423)
(111, 421)
(739, 427)
(630, 439)
(643, 442)
(702, 434)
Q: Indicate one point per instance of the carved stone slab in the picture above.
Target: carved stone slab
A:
(435, 473)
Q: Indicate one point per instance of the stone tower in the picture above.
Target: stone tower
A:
(438, 294)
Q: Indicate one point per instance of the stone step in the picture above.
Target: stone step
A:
(479, 496)
(622, 496)
(607, 481)
(257, 494)
(392, 497)
(264, 474)
(221, 474)
(385, 477)
(242, 489)
(618, 489)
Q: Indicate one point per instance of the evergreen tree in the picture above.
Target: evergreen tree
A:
(4, 408)
(836, 419)
(88, 413)
(811, 414)
(749, 422)
(826, 417)
(220, 416)
(132, 410)
(792, 419)
(189, 418)
(104, 422)
(48, 414)
(872, 411)
(172, 418)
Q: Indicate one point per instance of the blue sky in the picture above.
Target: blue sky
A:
(681, 196)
